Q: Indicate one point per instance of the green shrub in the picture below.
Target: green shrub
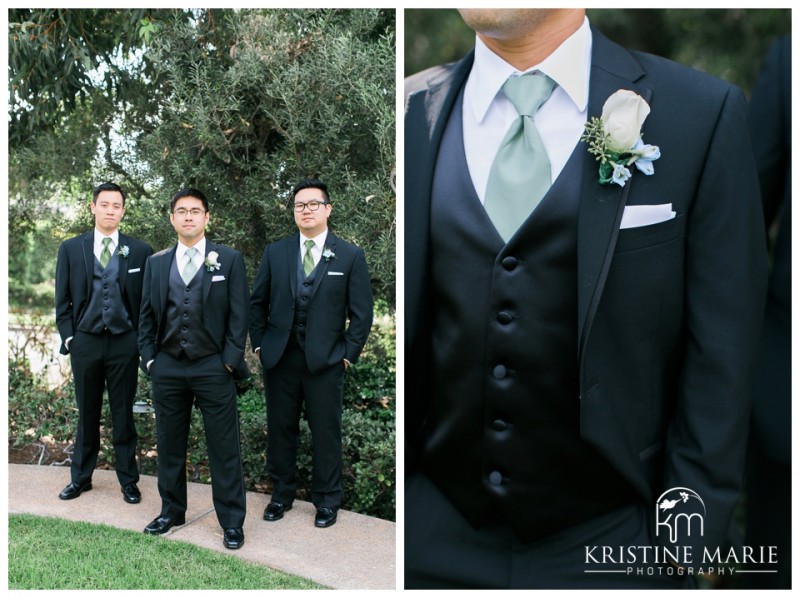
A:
(39, 415)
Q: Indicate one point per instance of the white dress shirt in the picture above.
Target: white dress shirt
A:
(98, 242)
(488, 113)
(316, 250)
(199, 257)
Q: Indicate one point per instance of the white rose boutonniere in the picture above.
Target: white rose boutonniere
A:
(124, 251)
(328, 254)
(211, 262)
(616, 139)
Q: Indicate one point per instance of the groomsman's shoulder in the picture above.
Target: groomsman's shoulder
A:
(137, 244)
(663, 74)
(433, 76)
(75, 241)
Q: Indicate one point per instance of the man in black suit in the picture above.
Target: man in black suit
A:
(98, 291)
(769, 471)
(191, 340)
(567, 370)
(307, 285)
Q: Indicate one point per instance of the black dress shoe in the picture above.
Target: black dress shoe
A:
(74, 490)
(161, 525)
(325, 517)
(131, 494)
(275, 510)
(233, 538)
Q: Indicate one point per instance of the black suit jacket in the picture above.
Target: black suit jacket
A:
(74, 270)
(668, 314)
(341, 290)
(225, 304)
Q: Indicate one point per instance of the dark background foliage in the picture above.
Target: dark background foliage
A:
(728, 43)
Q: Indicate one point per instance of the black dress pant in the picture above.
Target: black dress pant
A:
(100, 360)
(443, 551)
(288, 385)
(178, 384)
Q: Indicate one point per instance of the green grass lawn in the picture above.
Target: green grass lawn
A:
(48, 554)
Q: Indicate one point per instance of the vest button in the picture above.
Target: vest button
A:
(499, 372)
(505, 318)
(183, 341)
(186, 302)
(499, 425)
(495, 478)
(306, 284)
(509, 263)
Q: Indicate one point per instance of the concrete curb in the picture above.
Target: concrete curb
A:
(358, 553)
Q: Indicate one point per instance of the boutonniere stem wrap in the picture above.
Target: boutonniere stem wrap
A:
(124, 251)
(616, 139)
(211, 262)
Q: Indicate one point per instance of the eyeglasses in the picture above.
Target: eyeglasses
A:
(182, 212)
(311, 205)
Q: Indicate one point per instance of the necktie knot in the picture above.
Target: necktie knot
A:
(528, 92)
(191, 252)
(106, 242)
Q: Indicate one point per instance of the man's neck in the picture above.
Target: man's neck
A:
(532, 48)
(191, 242)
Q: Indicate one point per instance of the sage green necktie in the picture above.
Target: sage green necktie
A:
(520, 173)
(189, 270)
(105, 254)
(308, 259)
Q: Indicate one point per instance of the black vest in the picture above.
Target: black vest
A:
(106, 309)
(305, 285)
(502, 437)
(184, 332)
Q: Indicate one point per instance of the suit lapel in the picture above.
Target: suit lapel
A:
(208, 275)
(123, 264)
(426, 116)
(322, 266)
(88, 259)
(292, 251)
(601, 206)
(166, 264)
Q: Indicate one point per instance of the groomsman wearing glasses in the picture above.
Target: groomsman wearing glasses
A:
(191, 339)
(98, 291)
(306, 288)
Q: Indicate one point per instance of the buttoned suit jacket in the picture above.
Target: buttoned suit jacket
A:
(668, 314)
(226, 298)
(341, 291)
(74, 272)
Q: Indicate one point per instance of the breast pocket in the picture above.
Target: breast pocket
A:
(631, 239)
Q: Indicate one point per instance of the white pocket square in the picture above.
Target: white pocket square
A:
(132, 270)
(335, 273)
(635, 216)
(217, 278)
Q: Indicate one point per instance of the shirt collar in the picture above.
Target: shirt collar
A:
(490, 71)
(200, 246)
(319, 240)
(98, 237)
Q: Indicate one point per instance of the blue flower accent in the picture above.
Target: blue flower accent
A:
(620, 175)
(645, 155)
(124, 251)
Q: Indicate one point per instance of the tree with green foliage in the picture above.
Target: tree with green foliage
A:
(239, 103)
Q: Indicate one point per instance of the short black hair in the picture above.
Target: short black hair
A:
(188, 192)
(108, 187)
(312, 184)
